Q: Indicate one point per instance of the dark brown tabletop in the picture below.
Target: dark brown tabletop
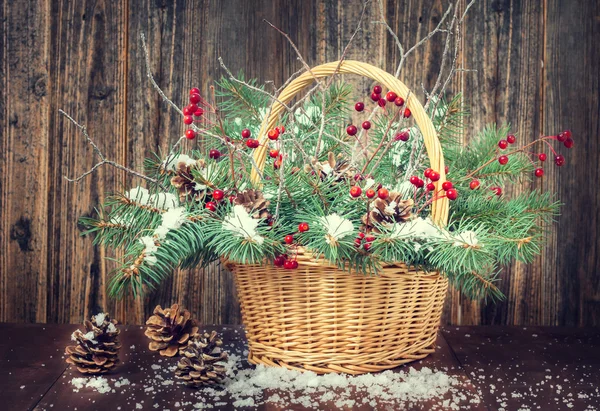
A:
(510, 368)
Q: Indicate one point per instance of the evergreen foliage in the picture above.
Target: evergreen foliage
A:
(309, 185)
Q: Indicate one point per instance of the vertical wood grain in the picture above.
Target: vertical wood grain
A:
(24, 160)
(537, 67)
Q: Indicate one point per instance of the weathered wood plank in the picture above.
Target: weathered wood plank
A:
(88, 82)
(24, 160)
(571, 99)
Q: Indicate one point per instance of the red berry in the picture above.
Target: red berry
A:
(188, 120)
(377, 89)
(375, 97)
(559, 160)
(358, 177)
(190, 134)
(502, 144)
(391, 96)
(192, 108)
(452, 194)
(187, 111)
(503, 160)
(294, 264)
(361, 235)
(511, 139)
(194, 90)
(447, 185)
(367, 246)
(303, 227)
(567, 133)
(355, 191)
(407, 112)
(370, 193)
(357, 242)
(252, 143)
(246, 133)
(414, 180)
(434, 176)
(542, 156)
(381, 102)
(369, 239)
(199, 112)
(402, 136)
(289, 239)
(279, 261)
(289, 264)
(474, 184)
(218, 195)
(366, 125)
(420, 183)
(360, 106)
(281, 129)
(539, 172)
(561, 137)
(383, 193)
(277, 164)
(497, 191)
(211, 206)
(214, 154)
(195, 98)
(569, 143)
(430, 187)
(446, 168)
(427, 172)
(399, 101)
(273, 134)
(231, 199)
(351, 130)
(273, 153)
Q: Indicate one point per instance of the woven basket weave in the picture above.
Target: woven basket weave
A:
(323, 319)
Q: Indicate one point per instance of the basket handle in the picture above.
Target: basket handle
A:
(439, 208)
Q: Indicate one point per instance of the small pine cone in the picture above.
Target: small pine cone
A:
(97, 349)
(254, 203)
(337, 167)
(387, 212)
(170, 329)
(202, 362)
(184, 182)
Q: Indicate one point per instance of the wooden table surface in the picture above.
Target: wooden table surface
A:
(510, 368)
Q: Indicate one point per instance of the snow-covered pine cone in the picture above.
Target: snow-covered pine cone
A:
(387, 212)
(202, 362)
(338, 168)
(97, 349)
(184, 182)
(254, 203)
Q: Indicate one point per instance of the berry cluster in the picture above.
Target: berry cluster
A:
(364, 241)
(559, 160)
(356, 192)
(282, 260)
(391, 97)
(192, 110)
(433, 176)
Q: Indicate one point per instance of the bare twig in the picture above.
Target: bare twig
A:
(102, 158)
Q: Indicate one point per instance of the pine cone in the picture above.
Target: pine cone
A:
(254, 203)
(170, 329)
(387, 212)
(202, 362)
(185, 184)
(97, 349)
(338, 168)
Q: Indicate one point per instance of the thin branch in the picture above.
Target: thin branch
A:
(103, 159)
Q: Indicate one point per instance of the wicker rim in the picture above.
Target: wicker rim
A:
(439, 208)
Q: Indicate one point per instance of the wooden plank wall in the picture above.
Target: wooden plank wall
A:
(537, 65)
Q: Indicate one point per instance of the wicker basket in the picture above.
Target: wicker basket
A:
(323, 319)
